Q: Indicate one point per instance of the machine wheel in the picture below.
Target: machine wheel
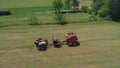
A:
(76, 43)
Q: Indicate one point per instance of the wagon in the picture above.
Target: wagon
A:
(71, 39)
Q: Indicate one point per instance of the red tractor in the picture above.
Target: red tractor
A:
(71, 39)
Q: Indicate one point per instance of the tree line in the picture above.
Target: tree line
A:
(58, 6)
(107, 9)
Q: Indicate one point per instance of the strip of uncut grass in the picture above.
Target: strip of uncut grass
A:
(47, 18)
(44, 18)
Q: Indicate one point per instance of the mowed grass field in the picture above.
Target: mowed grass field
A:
(100, 46)
(100, 40)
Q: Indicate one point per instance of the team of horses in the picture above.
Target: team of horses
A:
(70, 39)
(42, 43)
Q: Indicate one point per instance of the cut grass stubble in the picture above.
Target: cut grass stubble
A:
(99, 46)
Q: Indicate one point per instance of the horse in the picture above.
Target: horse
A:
(41, 44)
(56, 43)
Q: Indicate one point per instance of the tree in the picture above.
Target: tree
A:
(84, 9)
(33, 20)
(75, 4)
(107, 8)
(68, 4)
(96, 6)
(57, 6)
(114, 9)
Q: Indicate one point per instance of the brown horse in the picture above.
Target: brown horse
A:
(56, 43)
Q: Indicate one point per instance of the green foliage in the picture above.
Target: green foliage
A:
(72, 4)
(60, 18)
(96, 6)
(107, 9)
(103, 12)
(33, 20)
(93, 17)
(57, 5)
(75, 4)
(68, 4)
(84, 9)
(114, 9)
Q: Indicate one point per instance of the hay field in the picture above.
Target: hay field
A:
(100, 41)
(100, 44)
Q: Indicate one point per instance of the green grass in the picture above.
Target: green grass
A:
(46, 18)
(31, 3)
(26, 6)
(100, 44)
(30, 6)
(24, 3)
(25, 10)
(22, 19)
